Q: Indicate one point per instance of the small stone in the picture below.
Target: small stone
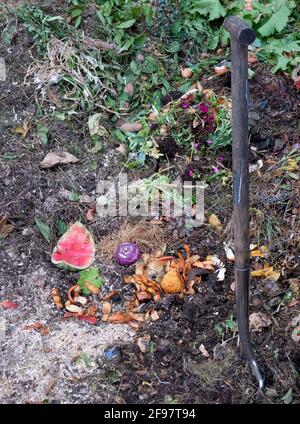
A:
(28, 232)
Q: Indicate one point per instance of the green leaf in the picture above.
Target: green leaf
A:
(150, 65)
(135, 67)
(85, 359)
(91, 275)
(113, 376)
(173, 47)
(140, 40)
(75, 196)
(62, 227)
(148, 13)
(212, 8)
(43, 229)
(77, 21)
(288, 397)
(282, 63)
(276, 23)
(77, 11)
(10, 156)
(126, 24)
(127, 45)
(42, 132)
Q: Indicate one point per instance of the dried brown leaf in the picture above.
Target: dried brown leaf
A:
(58, 158)
(258, 321)
(5, 228)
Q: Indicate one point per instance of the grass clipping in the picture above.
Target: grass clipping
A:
(149, 237)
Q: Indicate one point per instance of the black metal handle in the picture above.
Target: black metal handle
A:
(241, 36)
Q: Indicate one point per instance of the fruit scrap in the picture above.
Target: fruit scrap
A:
(110, 295)
(57, 298)
(73, 308)
(166, 273)
(7, 304)
(91, 310)
(88, 318)
(75, 250)
(172, 282)
(76, 290)
(125, 317)
(106, 308)
(93, 289)
(144, 285)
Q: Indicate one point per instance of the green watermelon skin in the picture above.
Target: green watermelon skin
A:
(75, 250)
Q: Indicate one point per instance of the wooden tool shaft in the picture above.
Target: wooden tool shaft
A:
(241, 37)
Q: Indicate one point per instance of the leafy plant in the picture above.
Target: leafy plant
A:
(223, 327)
(42, 27)
(92, 275)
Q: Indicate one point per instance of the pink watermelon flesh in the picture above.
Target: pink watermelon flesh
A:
(75, 250)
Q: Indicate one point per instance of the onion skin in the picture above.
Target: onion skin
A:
(127, 253)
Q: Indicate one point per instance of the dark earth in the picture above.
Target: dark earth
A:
(37, 368)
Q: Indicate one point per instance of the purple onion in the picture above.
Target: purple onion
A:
(127, 253)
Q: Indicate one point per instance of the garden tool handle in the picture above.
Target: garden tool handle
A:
(241, 36)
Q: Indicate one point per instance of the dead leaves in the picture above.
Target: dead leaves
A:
(255, 251)
(214, 222)
(258, 321)
(5, 227)
(266, 272)
(23, 130)
(58, 158)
